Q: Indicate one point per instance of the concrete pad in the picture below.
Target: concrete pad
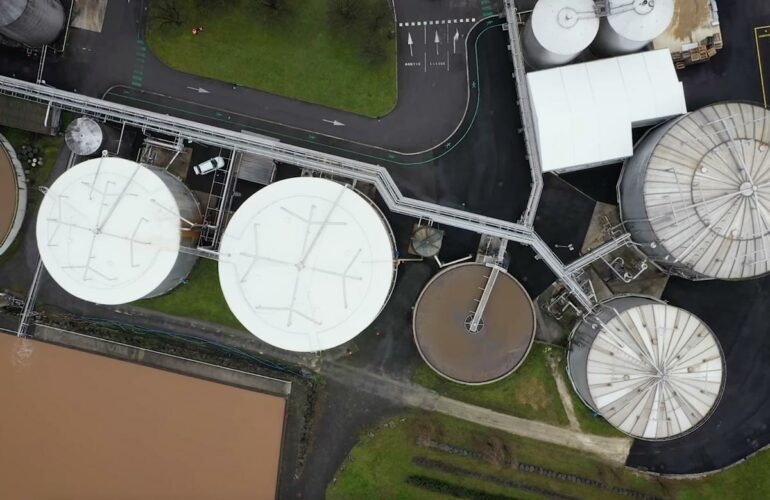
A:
(89, 14)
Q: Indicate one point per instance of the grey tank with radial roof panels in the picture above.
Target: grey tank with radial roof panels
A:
(696, 193)
(33, 23)
(653, 371)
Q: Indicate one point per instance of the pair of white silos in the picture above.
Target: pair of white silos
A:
(559, 30)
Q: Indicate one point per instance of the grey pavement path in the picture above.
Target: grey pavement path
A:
(564, 395)
(614, 450)
(432, 76)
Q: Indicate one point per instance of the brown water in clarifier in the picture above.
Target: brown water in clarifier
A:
(81, 426)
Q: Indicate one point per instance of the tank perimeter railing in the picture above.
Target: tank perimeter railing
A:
(527, 115)
(301, 157)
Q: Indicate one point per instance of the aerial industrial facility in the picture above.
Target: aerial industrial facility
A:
(111, 231)
(327, 245)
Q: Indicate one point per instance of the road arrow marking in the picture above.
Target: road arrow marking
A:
(436, 40)
(454, 41)
(199, 90)
(410, 42)
(334, 122)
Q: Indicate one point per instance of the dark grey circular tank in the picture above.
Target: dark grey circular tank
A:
(33, 23)
(86, 137)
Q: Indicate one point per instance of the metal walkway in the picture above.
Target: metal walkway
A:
(396, 202)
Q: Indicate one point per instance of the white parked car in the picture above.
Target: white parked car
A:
(209, 165)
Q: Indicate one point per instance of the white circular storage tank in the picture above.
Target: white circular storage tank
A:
(109, 231)
(696, 193)
(653, 371)
(306, 264)
(631, 25)
(558, 31)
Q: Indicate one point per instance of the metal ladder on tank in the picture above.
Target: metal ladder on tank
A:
(214, 206)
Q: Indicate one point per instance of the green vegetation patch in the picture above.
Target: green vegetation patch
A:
(337, 53)
(430, 456)
(200, 298)
(457, 455)
(47, 147)
(530, 392)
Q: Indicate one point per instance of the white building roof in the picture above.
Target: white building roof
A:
(584, 112)
(108, 231)
(306, 264)
(655, 371)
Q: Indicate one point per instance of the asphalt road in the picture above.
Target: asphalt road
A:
(432, 75)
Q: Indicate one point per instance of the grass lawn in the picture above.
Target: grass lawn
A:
(379, 465)
(201, 298)
(530, 392)
(295, 52)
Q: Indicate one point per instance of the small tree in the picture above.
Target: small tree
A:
(272, 4)
(168, 14)
(344, 11)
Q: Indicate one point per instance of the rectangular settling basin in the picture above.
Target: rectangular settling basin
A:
(79, 425)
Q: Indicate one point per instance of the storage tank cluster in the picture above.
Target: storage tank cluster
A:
(558, 31)
(13, 195)
(110, 231)
(452, 345)
(695, 196)
(306, 264)
(33, 23)
(653, 371)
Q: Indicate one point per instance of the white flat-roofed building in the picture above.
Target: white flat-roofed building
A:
(110, 230)
(584, 113)
(306, 264)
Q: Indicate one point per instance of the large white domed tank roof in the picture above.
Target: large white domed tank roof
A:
(108, 231)
(652, 370)
(306, 264)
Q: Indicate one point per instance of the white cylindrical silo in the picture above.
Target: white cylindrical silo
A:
(306, 264)
(110, 231)
(653, 371)
(630, 25)
(695, 195)
(33, 23)
(558, 31)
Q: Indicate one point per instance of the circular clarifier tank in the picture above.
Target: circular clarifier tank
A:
(306, 264)
(443, 324)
